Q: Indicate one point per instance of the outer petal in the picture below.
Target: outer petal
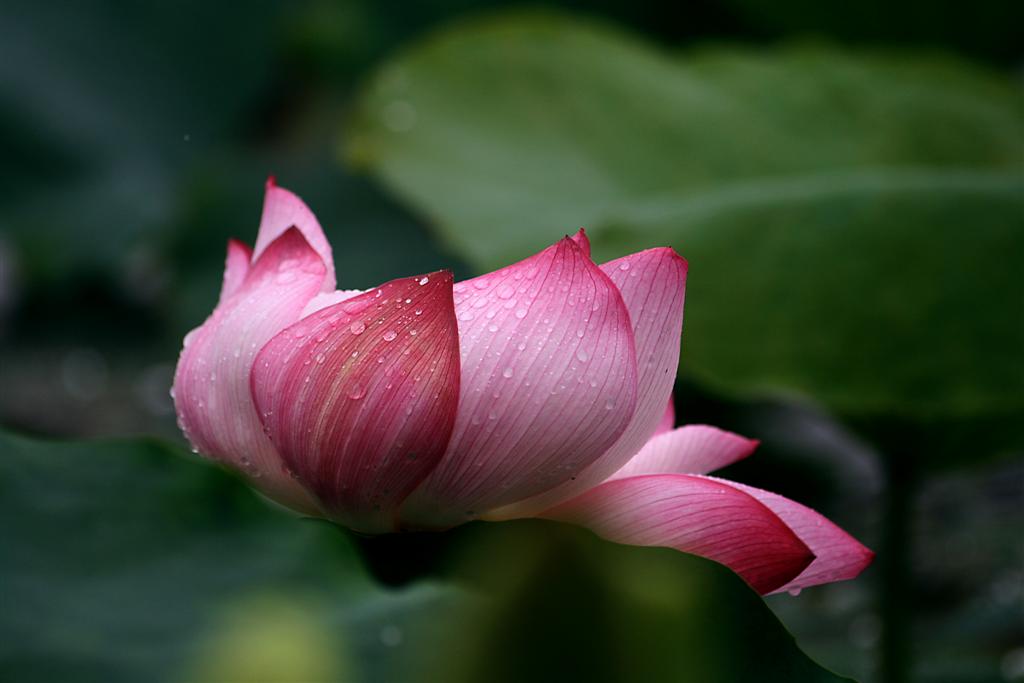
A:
(548, 383)
(653, 285)
(211, 384)
(668, 419)
(360, 397)
(236, 267)
(695, 515)
(838, 555)
(283, 210)
(693, 449)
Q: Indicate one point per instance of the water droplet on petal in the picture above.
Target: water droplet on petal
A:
(507, 373)
(390, 335)
(424, 280)
(521, 313)
(358, 327)
(356, 392)
(582, 355)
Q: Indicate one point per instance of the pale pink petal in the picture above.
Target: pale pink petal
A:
(548, 383)
(236, 267)
(693, 449)
(838, 556)
(668, 420)
(283, 210)
(325, 299)
(211, 384)
(359, 398)
(653, 284)
(695, 515)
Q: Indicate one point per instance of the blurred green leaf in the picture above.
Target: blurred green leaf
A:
(588, 610)
(847, 217)
(123, 561)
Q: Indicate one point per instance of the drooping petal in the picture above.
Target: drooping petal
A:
(668, 420)
(283, 210)
(838, 556)
(653, 285)
(360, 397)
(211, 383)
(236, 267)
(693, 449)
(548, 383)
(695, 515)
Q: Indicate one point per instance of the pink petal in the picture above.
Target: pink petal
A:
(548, 383)
(838, 555)
(695, 515)
(582, 241)
(653, 284)
(211, 384)
(668, 420)
(325, 299)
(693, 449)
(236, 267)
(359, 398)
(283, 210)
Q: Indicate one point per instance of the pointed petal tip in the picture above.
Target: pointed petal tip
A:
(271, 181)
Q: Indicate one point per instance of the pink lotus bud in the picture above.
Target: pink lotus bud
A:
(537, 390)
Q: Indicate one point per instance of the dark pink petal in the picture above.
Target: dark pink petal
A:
(548, 383)
(838, 556)
(211, 384)
(693, 449)
(695, 515)
(653, 285)
(283, 210)
(668, 420)
(359, 398)
(236, 267)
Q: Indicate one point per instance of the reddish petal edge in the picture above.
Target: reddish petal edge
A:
(694, 515)
(838, 555)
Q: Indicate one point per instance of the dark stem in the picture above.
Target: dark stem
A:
(895, 559)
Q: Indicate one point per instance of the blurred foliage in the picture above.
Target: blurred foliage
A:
(846, 217)
(175, 571)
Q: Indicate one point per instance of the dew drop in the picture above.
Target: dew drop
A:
(521, 313)
(582, 355)
(358, 327)
(624, 265)
(356, 392)
(424, 280)
(320, 358)
(507, 373)
(390, 335)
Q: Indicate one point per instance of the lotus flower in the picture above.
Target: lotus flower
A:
(539, 390)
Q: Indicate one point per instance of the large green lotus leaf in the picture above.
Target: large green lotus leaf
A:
(849, 220)
(125, 561)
